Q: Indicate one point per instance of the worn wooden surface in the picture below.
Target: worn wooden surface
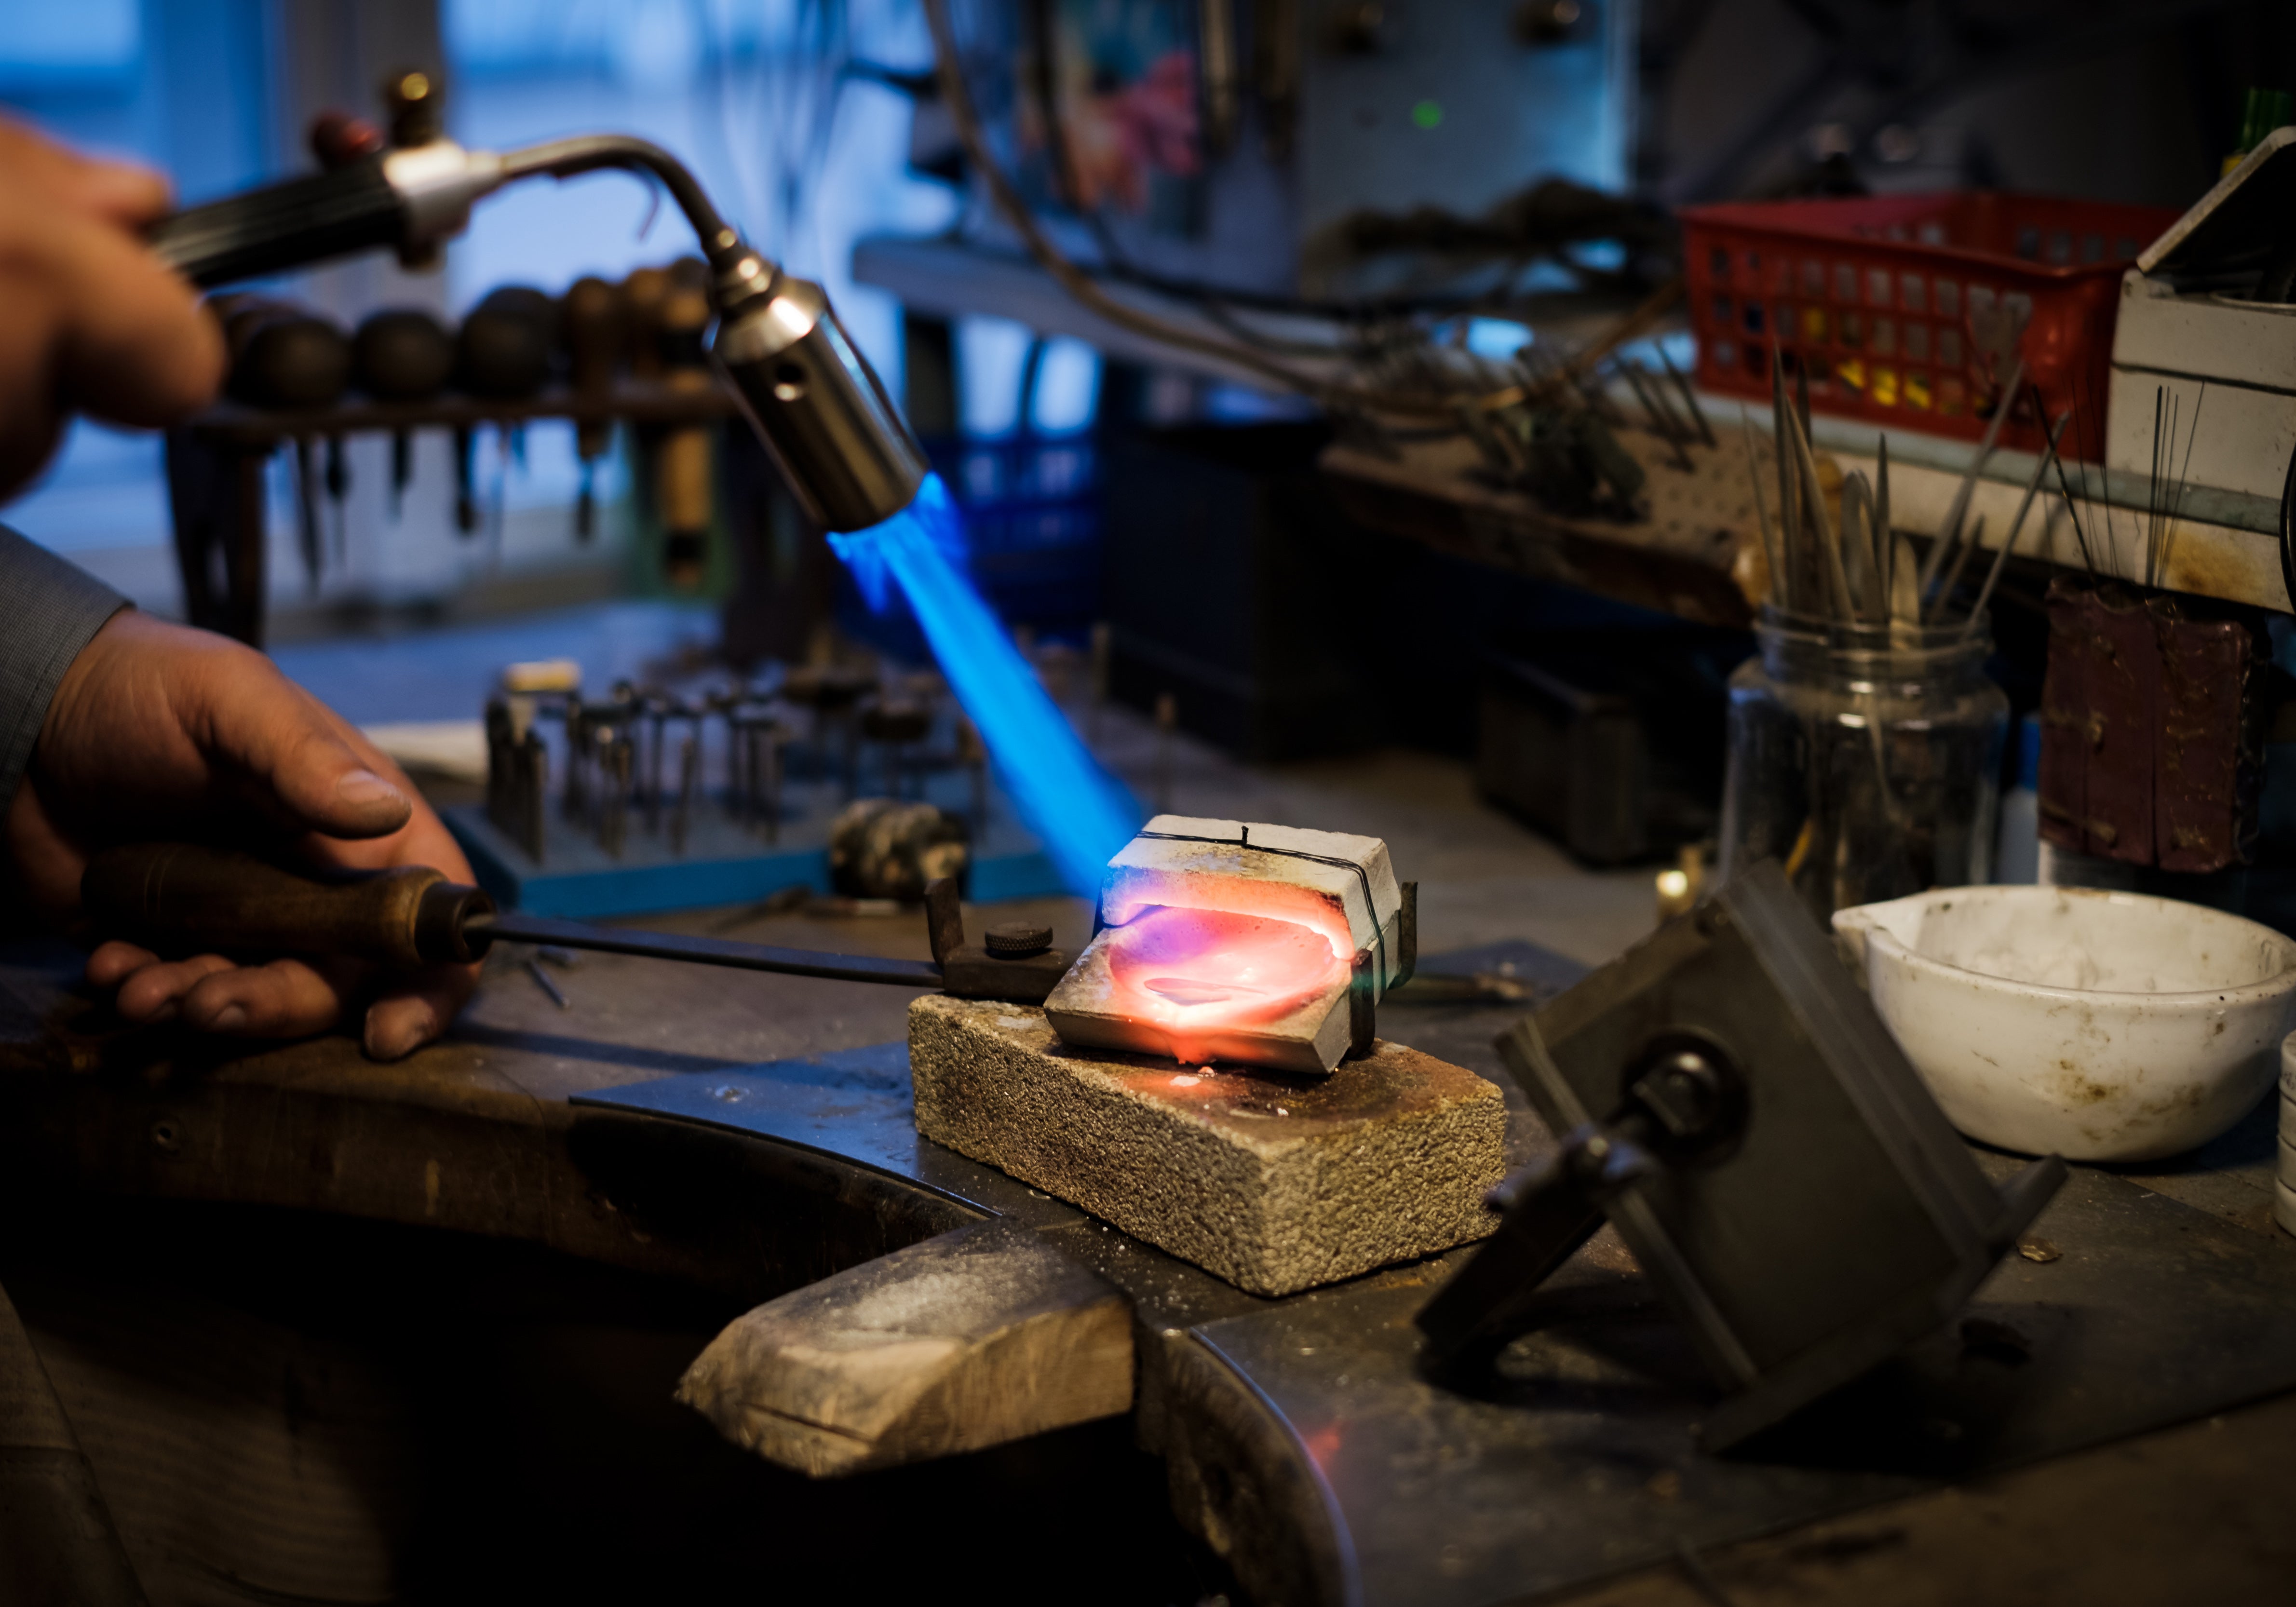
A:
(2196, 1514)
(980, 1336)
(474, 1135)
(443, 1137)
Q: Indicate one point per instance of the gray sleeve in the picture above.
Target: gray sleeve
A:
(48, 610)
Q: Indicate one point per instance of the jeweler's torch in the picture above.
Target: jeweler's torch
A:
(813, 399)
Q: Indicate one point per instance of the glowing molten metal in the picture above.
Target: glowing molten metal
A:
(1196, 973)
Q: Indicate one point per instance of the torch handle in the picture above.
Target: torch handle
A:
(283, 225)
(186, 898)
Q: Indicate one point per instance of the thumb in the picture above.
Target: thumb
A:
(290, 744)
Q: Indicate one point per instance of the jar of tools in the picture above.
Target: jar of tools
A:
(1866, 759)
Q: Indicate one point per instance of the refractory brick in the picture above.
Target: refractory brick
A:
(1276, 1182)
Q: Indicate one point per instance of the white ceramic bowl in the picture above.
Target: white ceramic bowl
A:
(2098, 1026)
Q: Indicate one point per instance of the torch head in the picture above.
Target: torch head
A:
(814, 401)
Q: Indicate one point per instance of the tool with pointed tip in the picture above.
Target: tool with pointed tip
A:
(306, 490)
(467, 495)
(1689, 397)
(183, 898)
(2009, 542)
(1949, 532)
(1770, 548)
(338, 479)
(401, 469)
(1790, 514)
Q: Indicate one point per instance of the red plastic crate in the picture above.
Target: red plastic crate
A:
(1874, 295)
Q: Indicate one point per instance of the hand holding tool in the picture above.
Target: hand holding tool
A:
(183, 898)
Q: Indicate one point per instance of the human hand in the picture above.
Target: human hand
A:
(159, 733)
(96, 323)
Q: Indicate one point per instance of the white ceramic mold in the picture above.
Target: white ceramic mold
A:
(2098, 1026)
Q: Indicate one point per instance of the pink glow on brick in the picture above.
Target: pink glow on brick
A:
(1196, 972)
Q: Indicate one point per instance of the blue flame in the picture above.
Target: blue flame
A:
(1080, 812)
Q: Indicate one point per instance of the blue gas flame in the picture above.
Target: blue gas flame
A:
(1081, 813)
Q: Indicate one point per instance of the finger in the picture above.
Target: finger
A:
(114, 962)
(298, 750)
(151, 715)
(156, 993)
(44, 866)
(136, 347)
(422, 839)
(126, 193)
(286, 998)
(416, 1012)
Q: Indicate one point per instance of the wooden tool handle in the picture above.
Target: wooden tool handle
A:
(184, 898)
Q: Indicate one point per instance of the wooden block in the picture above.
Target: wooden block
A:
(1274, 1183)
(2065, 738)
(2124, 723)
(978, 1337)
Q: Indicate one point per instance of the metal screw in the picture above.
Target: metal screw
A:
(1017, 941)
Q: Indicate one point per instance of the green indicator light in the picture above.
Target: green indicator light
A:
(1426, 114)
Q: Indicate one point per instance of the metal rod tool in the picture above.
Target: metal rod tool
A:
(186, 898)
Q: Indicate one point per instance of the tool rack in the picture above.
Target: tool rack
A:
(217, 459)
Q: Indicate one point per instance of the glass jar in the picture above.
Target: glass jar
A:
(1866, 759)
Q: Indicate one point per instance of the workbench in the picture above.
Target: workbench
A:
(1684, 552)
(680, 1144)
